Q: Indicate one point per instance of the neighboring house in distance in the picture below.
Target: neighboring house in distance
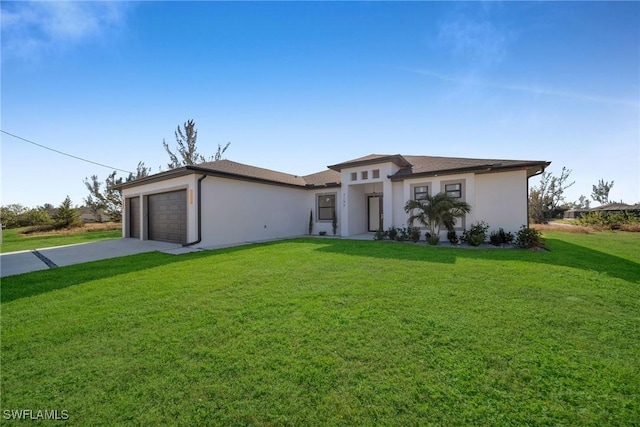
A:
(224, 202)
(610, 208)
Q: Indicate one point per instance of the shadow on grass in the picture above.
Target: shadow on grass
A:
(561, 253)
(39, 282)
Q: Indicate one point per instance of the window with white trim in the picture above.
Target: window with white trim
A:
(364, 174)
(375, 173)
(354, 176)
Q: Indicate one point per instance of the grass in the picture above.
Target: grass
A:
(333, 332)
(15, 239)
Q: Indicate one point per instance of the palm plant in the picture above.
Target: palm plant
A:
(436, 210)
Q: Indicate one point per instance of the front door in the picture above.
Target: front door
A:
(375, 213)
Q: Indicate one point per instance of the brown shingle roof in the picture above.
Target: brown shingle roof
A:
(323, 178)
(426, 165)
(411, 166)
(371, 159)
(228, 167)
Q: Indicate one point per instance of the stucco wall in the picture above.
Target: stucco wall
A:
(181, 183)
(235, 211)
(501, 200)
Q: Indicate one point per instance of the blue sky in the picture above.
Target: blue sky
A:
(298, 86)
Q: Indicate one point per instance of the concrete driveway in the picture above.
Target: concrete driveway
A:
(42, 259)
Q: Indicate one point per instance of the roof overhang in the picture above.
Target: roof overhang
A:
(192, 169)
(396, 159)
(532, 168)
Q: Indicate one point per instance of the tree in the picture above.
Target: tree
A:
(600, 192)
(141, 172)
(66, 215)
(581, 203)
(221, 151)
(546, 198)
(187, 154)
(9, 215)
(435, 210)
(104, 199)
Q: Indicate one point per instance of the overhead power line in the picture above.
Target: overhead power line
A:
(63, 153)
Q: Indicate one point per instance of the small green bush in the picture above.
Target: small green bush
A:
(528, 238)
(612, 220)
(477, 233)
(392, 232)
(500, 237)
(380, 234)
(403, 234)
(414, 234)
(433, 239)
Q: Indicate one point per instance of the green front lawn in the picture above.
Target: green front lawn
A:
(13, 240)
(333, 332)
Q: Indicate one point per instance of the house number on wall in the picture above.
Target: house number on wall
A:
(344, 199)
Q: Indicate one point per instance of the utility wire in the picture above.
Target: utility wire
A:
(64, 154)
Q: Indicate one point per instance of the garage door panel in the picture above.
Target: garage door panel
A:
(168, 217)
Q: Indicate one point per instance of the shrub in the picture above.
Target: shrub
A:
(16, 215)
(37, 217)
(477, 233)
(500, 237)
(452, 236)
(528, 237)
(611, 220)
(414, 234)
(392, 232)
(334, 222)
(433, 239)
(403, 234)
(380, 234)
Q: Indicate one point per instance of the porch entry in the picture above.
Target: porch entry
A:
(374, 213)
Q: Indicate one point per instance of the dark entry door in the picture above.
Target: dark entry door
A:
(374, 213)
(168, 216)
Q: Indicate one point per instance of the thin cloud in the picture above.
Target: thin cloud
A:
(534, 90)
(34, 28)
(479, 41)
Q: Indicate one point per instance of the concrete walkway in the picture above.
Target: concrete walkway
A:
(41, 259)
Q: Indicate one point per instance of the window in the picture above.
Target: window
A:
(375, 173)
(326, 206)
(454, 190)
(421, 192)
(364, 175)
(354, 176)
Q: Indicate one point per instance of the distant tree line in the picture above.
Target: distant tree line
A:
(45, 217)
